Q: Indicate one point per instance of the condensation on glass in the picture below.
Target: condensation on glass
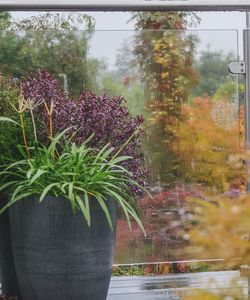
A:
(193, 112)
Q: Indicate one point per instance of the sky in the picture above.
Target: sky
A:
(119, 20)
(219, 30)
(211, 20)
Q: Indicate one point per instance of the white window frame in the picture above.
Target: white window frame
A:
(126, 5)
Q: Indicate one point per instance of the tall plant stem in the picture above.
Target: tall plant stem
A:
(33, 123)
(50, 127)
(24, 135)
(127, 142)
(50, 114)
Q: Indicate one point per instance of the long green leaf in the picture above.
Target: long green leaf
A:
(86, 200)
(17, 163)
(4, 119)
(120, 159)
(84, 210)
(22, 151)
(120, 201)
(46, 191)
(55, 141)
(17, 198)
(71, 196)
(38, 174)
(7, 184)
(103, 205)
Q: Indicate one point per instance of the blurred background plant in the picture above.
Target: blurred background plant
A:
(227, 294)
(161, 268)
(48, 32)
(221, 229)
(47, 21)
(165, 217)
(207, 156)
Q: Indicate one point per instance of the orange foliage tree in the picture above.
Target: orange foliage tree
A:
(211, 144)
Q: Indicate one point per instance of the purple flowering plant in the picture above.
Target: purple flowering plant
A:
(107, 118)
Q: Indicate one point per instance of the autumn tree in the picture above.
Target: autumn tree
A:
(165, 56)
(208, 156)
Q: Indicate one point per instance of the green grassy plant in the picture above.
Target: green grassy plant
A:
(74, 172)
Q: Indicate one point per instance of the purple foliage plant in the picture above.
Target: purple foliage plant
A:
(108, 118)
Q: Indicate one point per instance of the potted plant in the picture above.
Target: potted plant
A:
(64, 188)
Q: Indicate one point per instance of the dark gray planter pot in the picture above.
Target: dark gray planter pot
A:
(8, 276)
(57, 256)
